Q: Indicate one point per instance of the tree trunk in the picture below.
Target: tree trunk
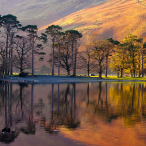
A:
(53, 58)
(100, 74)
(106, 65)
(134, 72)
(73, 59)
(88, 69)
(21, 70)
(68, 72)
(133, 66)
(117, 74)
(6, 61)
(9, 62)
(131, 74)
(33, 55)
(142, 65)
(139, 66)
(21, 64)
(11, 69)
(100, 70)
(122, 72)
(3, 68)
(59, 60)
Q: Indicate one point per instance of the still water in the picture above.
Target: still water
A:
(89, 114)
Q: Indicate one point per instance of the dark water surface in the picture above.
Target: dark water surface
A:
(90, 114)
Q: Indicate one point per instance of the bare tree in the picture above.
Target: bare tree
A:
(2, 58)
(73, 36)
(65, 55)
(22, 57)
(86, 61)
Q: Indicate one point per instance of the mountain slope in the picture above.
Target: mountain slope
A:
(114, 18)
(42, 12)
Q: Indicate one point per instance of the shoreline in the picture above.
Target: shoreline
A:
(59, 79)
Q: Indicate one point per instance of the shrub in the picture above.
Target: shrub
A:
(23, 74)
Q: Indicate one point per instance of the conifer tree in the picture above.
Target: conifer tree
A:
(33, 37)
(73, 36)
(10, 25)
(52, 31)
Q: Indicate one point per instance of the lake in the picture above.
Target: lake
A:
(84, 114)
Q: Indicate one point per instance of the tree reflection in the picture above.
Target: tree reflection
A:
(127, 102)
(30, 128)
(88, 94)
(63, 109)
(51, 126)
(124, 102)
(69, 119)
(20, 106)
(8, 133)
(68, 105)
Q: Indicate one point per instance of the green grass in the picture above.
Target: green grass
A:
(108, 78)
(125, 78)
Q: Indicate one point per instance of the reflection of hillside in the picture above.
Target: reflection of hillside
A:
(94, 113)
(129, 101)
(124, 107)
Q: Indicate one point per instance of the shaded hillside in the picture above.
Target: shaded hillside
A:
(42, 12)
(43, 70)
(114, 18)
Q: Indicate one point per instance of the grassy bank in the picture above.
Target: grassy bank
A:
(125, 78)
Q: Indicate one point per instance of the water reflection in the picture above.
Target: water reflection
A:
(30, 127)
(128, 101)
(63, 110)
(8, 133)
(75, 110)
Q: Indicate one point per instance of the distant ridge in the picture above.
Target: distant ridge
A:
(43, 12)
(43, 70)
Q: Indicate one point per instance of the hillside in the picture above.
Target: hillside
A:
(142, 2)
(114, 18)
(42, 12)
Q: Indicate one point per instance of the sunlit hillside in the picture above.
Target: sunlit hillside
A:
(114, 18)
(142, 2)
(42, 12)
